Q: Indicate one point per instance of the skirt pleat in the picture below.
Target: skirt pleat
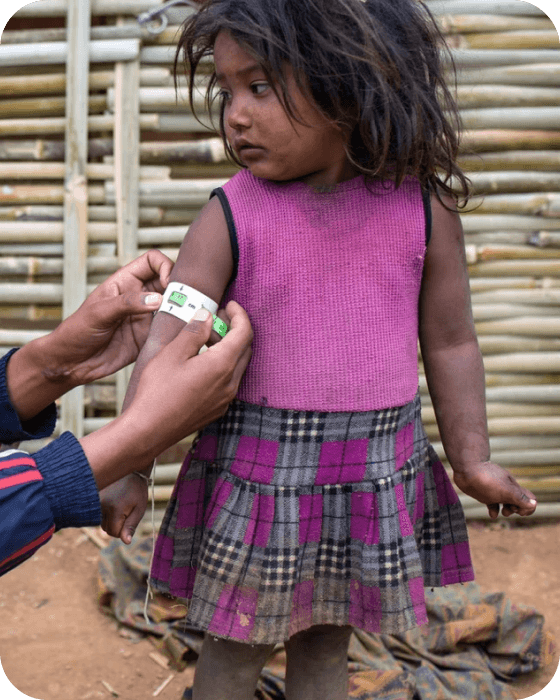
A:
(281, 520)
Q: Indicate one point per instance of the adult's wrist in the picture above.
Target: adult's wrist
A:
(35, 378)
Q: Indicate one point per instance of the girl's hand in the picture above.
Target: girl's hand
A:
(122, 506)
(492, 485)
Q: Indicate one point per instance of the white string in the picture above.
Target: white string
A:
(149, 593)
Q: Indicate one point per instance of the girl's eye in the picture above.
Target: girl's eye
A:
(224, 95)
(259, 88)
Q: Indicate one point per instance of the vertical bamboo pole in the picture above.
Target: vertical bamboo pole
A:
(127, 174)
(75, 190)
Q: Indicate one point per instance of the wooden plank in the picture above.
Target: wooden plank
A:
(76, 190)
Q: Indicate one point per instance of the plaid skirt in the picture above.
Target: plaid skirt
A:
(281, 520)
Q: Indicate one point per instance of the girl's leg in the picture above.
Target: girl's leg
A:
(317, 663)
(228, 670)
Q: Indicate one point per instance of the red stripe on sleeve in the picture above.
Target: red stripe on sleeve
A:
(18, 462)
(17, 479)
(30, 546)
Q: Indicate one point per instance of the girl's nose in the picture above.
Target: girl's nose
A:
(238, 114)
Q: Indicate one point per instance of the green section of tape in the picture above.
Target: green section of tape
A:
(219, 326)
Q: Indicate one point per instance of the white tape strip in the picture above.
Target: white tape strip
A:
(183, 301)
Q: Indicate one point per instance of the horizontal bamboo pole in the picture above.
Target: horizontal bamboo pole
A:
(52, 231)
(148, 216)
(31, 312)
(516, 39)
(524, 362)
(494, 96)
(35, 266)
(57, 8)
(55, 84)
(534, 326)
(513, 426)
(167, 99)
(44, 194)
(57, 52)
(542, 118)
(179, 193)
(197, 152)
(514, 181)
(512, 160)
(513, 268)
(511, 252)
(528, 458)
(18, 338)
(539, 239)
(546, 204)
(475, 222)
(55, 171)
(210, 151)
(51, 106)
(501, 410)
(488, 58)
(518, 296)
(128, 30)
(499, 344)
(45, 150)
(549, 393)
(484, 284)
(476, 23)
(500, 379)
(532, 74)
(508, 140)
(490, 7)
(487, 312)
(57, 125)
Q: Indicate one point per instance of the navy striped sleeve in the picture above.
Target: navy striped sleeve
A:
(25, 515)
(11, 428)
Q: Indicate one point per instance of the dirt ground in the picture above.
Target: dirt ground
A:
(56, 645)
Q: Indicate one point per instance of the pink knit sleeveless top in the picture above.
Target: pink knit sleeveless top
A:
(330, 281)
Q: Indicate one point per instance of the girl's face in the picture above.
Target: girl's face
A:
(262, 135)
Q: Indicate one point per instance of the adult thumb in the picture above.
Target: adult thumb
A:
(194, 335)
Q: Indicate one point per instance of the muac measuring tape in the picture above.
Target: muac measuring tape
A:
(183, 302)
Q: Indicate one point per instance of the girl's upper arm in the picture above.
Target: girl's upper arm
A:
(205, 260)
(445, 304)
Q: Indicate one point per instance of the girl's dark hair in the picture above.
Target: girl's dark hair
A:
(374, 67)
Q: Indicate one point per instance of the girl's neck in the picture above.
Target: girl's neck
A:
(326, 180)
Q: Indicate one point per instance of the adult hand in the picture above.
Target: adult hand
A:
(109, 329)
(102, 336)
(179, 392)
(492, 485)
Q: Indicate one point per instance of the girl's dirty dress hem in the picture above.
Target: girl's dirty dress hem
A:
(283, 519)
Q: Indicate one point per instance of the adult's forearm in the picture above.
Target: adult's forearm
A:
(456, 382)
(112, 451)
(34, 379)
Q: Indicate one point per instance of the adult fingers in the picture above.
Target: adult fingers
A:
(150, 266)
(194, 335)
(110, 311)
(130, 525)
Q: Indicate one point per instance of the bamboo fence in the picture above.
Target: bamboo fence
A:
(142, 166)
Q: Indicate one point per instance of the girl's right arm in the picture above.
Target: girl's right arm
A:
(205, 262)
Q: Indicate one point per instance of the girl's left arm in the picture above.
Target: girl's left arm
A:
(455, 372)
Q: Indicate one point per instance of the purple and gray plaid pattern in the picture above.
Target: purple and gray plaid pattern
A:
(282, 519)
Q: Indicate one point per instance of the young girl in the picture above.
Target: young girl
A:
(317, 504)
